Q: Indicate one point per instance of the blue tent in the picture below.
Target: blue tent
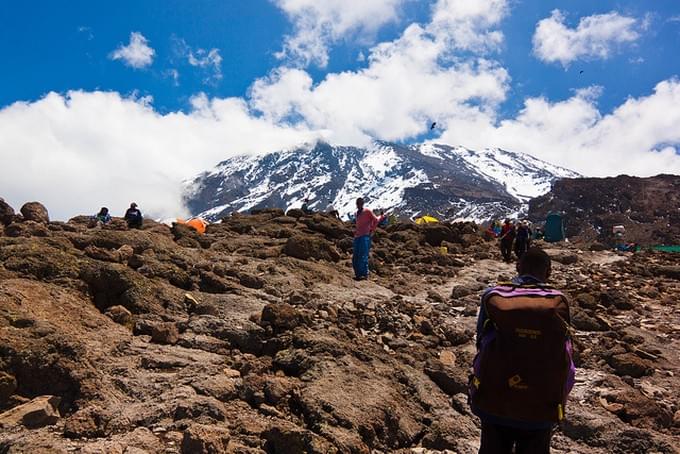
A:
(554, 228)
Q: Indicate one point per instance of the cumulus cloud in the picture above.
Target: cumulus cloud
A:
(318, 24)
(79, 151)
(469, 24)
(595, 37)
(210, 61)
(640, 137)
(137, 54)
(406, 83)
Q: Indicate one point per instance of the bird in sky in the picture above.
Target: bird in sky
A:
(433, 125)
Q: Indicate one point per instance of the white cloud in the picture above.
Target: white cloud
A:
(84, 150)
(469, 24)
(137, 54)
(210, 61)
(595, 37)
(640, 137)
(407, 82)
(173, 74)
(318, 24)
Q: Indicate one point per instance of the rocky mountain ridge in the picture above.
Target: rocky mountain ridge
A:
(649, 208)
(448, 182)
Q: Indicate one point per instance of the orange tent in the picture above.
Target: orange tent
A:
(197, 224)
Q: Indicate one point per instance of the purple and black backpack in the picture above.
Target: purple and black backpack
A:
(524, 369)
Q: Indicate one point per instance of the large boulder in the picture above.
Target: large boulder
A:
(6, 213)
(630, 364)
(35, 211)
(436, 233)
(204, 439)
(311, 247)
(39, 412)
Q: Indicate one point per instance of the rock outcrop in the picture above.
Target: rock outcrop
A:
(166, 341)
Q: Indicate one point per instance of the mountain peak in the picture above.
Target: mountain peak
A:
(409, 180)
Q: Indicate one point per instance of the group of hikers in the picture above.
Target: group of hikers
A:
(133, 217)
(513, 237)
(523, 370)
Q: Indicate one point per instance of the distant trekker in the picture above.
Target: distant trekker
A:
(103, 217)
(523, 370)
(506, 239)
(366, 223)
(522, 239)
(133, 217)
(305, 207)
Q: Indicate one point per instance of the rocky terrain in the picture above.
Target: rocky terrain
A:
(409, 181)
(253, 338)
(649, 208)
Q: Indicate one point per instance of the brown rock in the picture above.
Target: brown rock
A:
(8, 384)
(206, 309)
(39, 412)
(309, 247)
(281, 316)
(295, 213)
(212, 283)
(204, 439)
(86, 423)
(630, 364)
(6, 212)
(120, 315)
(125, 253)
(35, 211)
(289, 439)
(165, 333)
(451, 380)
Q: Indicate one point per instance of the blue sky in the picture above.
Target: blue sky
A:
(119, 87)
(61, 46)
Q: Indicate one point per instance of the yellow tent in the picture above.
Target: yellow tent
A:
(426, 220)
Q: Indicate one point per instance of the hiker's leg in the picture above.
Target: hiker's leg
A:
(365, 250)
(495, 439)
(533, 442)
(356, 250)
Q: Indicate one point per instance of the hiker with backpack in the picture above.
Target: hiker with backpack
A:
(366, 223)
(506, 239)
(523, 370)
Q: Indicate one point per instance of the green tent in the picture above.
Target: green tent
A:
(554, 228)
(675, 248)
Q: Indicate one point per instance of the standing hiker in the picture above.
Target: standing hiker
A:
(523, 370)
(366, 223)
(506, 239)
(522, 239)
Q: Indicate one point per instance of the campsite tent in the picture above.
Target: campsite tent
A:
(197, 224)
(554, 228)
(426, 220)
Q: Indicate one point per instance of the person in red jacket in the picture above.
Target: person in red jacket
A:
(366, 223)
(506, 239)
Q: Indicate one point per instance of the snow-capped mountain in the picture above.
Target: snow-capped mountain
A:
(449, 182)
